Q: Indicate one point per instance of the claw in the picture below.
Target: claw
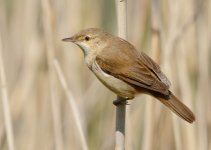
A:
(118, 102)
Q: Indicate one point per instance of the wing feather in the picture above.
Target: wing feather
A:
(133, 67)
(155, 68)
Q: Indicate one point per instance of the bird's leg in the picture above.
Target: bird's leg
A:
(121, 101)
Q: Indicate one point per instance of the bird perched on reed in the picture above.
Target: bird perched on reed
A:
(126, 71)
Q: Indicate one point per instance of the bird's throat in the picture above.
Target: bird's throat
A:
(89, 55)
(85, 48)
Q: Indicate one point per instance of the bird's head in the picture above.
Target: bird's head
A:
(88, 40)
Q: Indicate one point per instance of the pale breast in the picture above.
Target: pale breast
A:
(116, 85)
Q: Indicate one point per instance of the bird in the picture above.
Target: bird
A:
(126, 71)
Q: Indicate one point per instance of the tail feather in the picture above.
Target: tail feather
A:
(178, 108)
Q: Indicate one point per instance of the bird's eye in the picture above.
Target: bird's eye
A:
(87, 38)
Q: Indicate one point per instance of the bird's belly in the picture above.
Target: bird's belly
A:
(118, 86)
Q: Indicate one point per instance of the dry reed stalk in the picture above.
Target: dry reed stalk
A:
(148, 124)
(186, 96)
(203, 78)
(182, 53)
(121, 7)
(48, 33)
(182, 66)
(167, 39)
(172, 43)
(150, 103)
(73, 105)
(120, 127)
(5, 103)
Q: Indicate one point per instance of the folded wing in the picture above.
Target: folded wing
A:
(135, 68)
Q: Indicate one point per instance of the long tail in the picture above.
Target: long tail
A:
(178, 108)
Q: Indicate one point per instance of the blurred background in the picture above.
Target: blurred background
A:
(175, 33)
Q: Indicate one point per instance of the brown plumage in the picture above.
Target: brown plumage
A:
(126, 71)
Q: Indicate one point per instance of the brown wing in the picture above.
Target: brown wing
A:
(155, 68)
(132, 67)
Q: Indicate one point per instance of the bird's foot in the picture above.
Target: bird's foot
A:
(120, 101)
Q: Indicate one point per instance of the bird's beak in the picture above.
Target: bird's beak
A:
(70, 39)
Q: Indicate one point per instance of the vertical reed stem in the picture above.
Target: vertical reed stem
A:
(121, 6)
(73, 105)
(149, 121)
(120, 126)
(5, 103)
(48, 33)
